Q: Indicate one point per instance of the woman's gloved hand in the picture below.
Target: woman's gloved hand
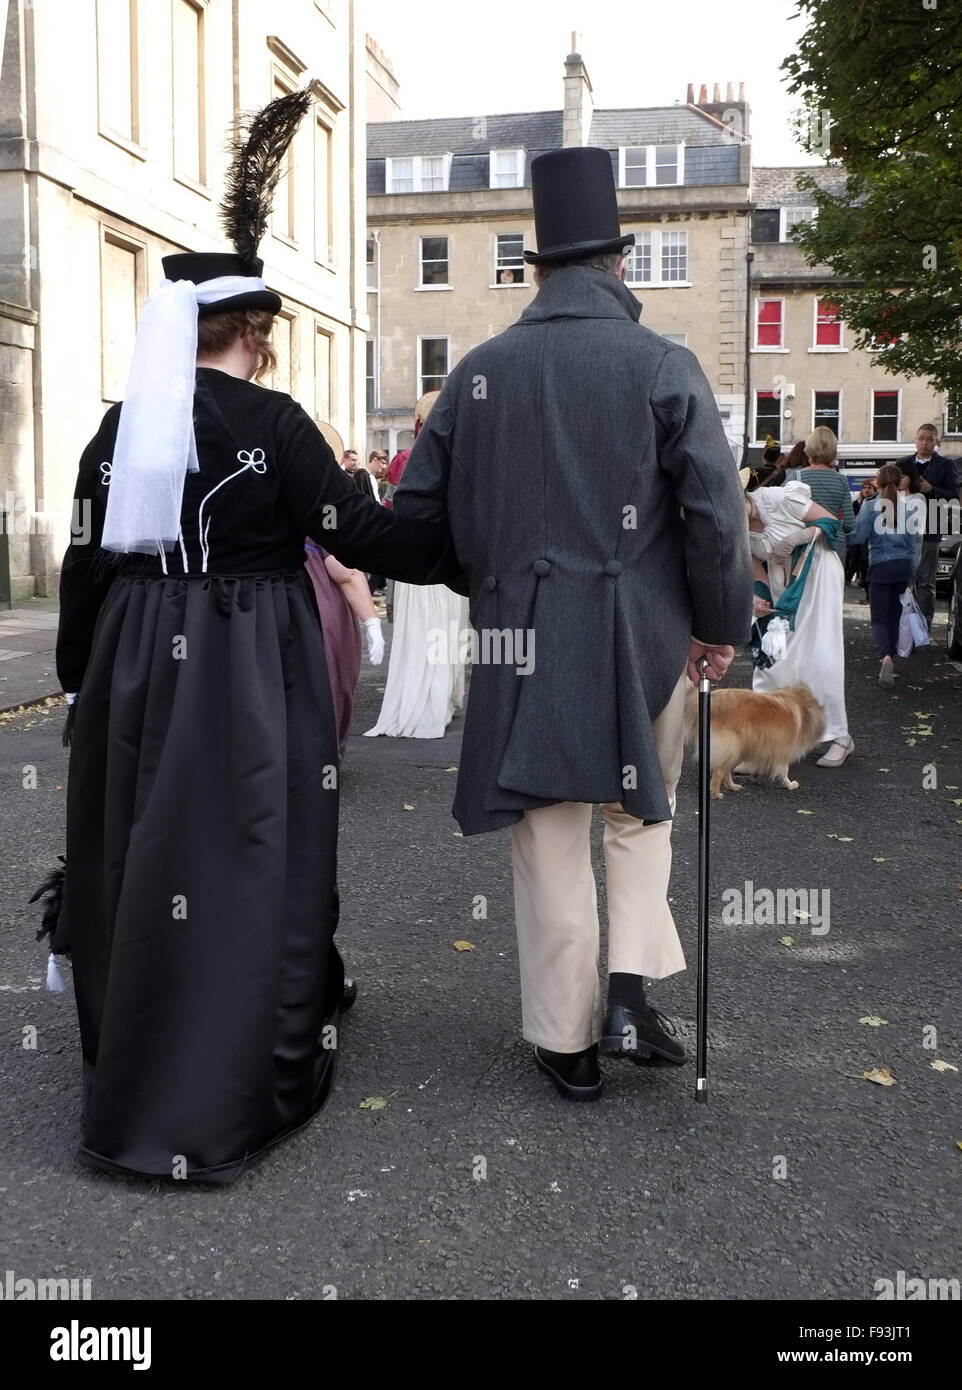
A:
(375, 640)
(782, 550)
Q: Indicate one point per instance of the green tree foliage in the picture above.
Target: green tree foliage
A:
(881, 84)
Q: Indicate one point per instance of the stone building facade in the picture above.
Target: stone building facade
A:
(103, 171)
(449, 212)
(804, 369)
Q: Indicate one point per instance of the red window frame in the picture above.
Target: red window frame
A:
(768, 323)
(828, 325)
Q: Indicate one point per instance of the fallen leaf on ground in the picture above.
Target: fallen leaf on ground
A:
(787, 940)
(799, 913)
(942, 1066)
(846, 839)
(879, 859)
(463, 946)
(881, 1076)
(454, 768)
(373, 1103)
(873, 1020)
(408, 806)
(805, 813)
(885, 769)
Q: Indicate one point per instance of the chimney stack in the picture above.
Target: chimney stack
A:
(578, 102)
(721, 110)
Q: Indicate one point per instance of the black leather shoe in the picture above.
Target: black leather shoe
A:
(349, 995)
(576, 1075)
(640, 1035)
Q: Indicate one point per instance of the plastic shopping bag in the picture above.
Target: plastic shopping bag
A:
(913, 629)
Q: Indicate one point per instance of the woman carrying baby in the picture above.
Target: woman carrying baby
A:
(805, 584)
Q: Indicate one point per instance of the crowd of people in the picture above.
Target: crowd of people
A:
(886, 540)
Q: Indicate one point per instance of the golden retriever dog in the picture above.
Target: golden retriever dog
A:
(764, 732)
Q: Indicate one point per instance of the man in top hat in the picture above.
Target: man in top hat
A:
(621, 553)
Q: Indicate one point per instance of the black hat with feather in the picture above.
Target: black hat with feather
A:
(257, 160)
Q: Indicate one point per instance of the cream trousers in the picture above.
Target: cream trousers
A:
(556, 903)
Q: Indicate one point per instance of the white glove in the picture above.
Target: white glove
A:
(375, 640)
(781, 550)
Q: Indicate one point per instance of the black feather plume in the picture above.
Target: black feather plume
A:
(257, 160)
(50, 893)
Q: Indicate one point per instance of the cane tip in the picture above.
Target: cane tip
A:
(701, 1092)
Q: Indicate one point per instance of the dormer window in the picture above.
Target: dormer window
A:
(507, 169)
(789, 218)
(651, 166)
(417, 173)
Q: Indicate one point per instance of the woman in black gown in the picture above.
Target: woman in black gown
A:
(200, 899)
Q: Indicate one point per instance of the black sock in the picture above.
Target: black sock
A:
(626, 990)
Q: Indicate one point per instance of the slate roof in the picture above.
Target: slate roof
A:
(657, 125)
(711, 155)
(466, 135)
(776, 187)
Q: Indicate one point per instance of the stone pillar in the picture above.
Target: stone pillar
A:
(731, 323)
(17, 500)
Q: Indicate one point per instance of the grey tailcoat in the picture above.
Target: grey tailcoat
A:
(594, 503)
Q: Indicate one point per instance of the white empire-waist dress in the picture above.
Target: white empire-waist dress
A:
(426, 675)
(816, 649)
(200, 896)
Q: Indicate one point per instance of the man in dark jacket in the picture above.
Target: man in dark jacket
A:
(612, 563)
(939, 485)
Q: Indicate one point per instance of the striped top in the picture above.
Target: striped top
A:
(831, 491)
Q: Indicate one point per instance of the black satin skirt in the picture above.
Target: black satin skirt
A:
(200, 895)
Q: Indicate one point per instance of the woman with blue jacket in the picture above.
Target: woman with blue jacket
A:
(893, 524)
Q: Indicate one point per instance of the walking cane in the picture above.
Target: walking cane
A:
(704, 801)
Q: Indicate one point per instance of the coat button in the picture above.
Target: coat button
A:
(489, 582)
(542, 567)
(613, 567)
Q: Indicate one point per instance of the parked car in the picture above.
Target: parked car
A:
(946, 563)
(953, 636)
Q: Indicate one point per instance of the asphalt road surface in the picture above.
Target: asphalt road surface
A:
(799, 1179)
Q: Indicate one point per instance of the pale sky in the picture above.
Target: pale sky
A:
(484, 57)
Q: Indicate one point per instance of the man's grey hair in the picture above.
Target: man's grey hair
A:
(609, 261)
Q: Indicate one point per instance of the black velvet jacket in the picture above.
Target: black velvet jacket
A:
(267, 479)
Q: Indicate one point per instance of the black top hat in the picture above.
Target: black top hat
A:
(210, 265)
(575, 205)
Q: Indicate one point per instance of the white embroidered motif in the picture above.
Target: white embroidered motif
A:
(106, 469)
(250, 458)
